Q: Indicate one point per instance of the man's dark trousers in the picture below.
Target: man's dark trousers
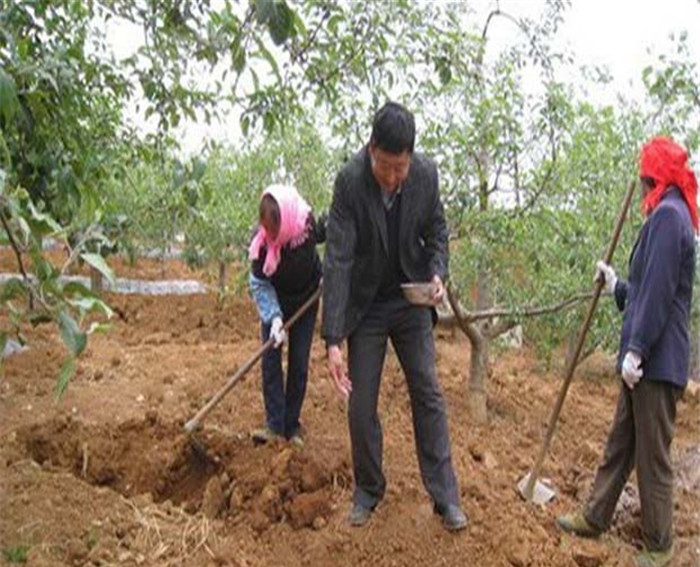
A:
(410, 330)
(640, 438)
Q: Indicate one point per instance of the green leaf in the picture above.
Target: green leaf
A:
(72, 336)
(98, 328)
(265, 52)
(299, 25)
(67, 372)
(98, 262)
(24, 227)
(245, 124)
(42, 223)
(13, 288)
(87, 304)
(44, 270)
(239, 61)
(238, 55)
(16, 553)
(39, 317)
(263, 10)
(269, 121)
(77, 289)
(9, 103)
(3, 342)
(281, 23)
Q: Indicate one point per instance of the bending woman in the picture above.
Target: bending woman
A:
(285, 272)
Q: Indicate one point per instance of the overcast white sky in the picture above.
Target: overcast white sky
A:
(622, 35)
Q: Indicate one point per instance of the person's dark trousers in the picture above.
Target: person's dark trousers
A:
(640, 438)
(283, 404)
(410, 330)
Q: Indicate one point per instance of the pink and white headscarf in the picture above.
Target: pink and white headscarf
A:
(294, 212)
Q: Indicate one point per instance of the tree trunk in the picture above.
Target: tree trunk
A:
(477, 380)
(96, 281)
(479, 370)
(164, 261)
(223, 276)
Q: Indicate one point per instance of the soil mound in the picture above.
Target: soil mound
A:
(219, 476)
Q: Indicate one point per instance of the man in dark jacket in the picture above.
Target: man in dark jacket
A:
(387, 227)
(653, 356)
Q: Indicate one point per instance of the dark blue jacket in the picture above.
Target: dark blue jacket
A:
(656, 299)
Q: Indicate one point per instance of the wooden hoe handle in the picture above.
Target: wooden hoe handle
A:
(192, 424)
(573, 360)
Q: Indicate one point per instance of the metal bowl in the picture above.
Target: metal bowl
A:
(419, 293)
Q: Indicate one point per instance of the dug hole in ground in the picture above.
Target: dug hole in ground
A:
(107, 476)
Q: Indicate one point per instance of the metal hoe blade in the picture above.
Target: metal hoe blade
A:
(542, 493)
(199, 449)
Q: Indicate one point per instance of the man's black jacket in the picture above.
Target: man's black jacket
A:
(357, 241)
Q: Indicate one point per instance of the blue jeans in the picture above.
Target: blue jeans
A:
(283, 405)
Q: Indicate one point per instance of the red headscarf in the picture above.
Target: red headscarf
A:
(666, 163)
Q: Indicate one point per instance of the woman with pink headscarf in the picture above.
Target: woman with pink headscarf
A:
(654, 353)
(285, 272)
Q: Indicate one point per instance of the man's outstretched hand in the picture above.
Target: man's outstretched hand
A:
(339, 371)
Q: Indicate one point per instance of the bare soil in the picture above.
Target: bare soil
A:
(106, 476)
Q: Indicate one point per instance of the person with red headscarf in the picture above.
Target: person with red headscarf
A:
(654, 353)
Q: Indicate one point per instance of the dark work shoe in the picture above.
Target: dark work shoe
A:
(575, 523)
(359, 515)
(453, 519)
(264, 435)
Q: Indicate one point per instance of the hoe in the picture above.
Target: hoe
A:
(193, 424)
(529, 487)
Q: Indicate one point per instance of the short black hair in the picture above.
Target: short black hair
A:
(394, 129)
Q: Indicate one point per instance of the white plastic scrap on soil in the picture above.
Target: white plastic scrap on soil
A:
(141, 287)
(12, 347)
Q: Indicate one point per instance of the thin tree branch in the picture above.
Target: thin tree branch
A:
(518, 212)
(31, 291)
(13, 245)
(77, 249)
(492, 14)
(299, 54)
(461, 314)
(469, 329)
(497, 176)
(520, 24)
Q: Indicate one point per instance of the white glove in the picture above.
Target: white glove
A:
(277, 332)
(608, 274)
(631, 369)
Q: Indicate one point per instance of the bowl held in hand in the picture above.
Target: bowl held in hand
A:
(419, 293)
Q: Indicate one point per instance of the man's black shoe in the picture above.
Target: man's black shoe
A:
(359, 515)
(453, 519)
